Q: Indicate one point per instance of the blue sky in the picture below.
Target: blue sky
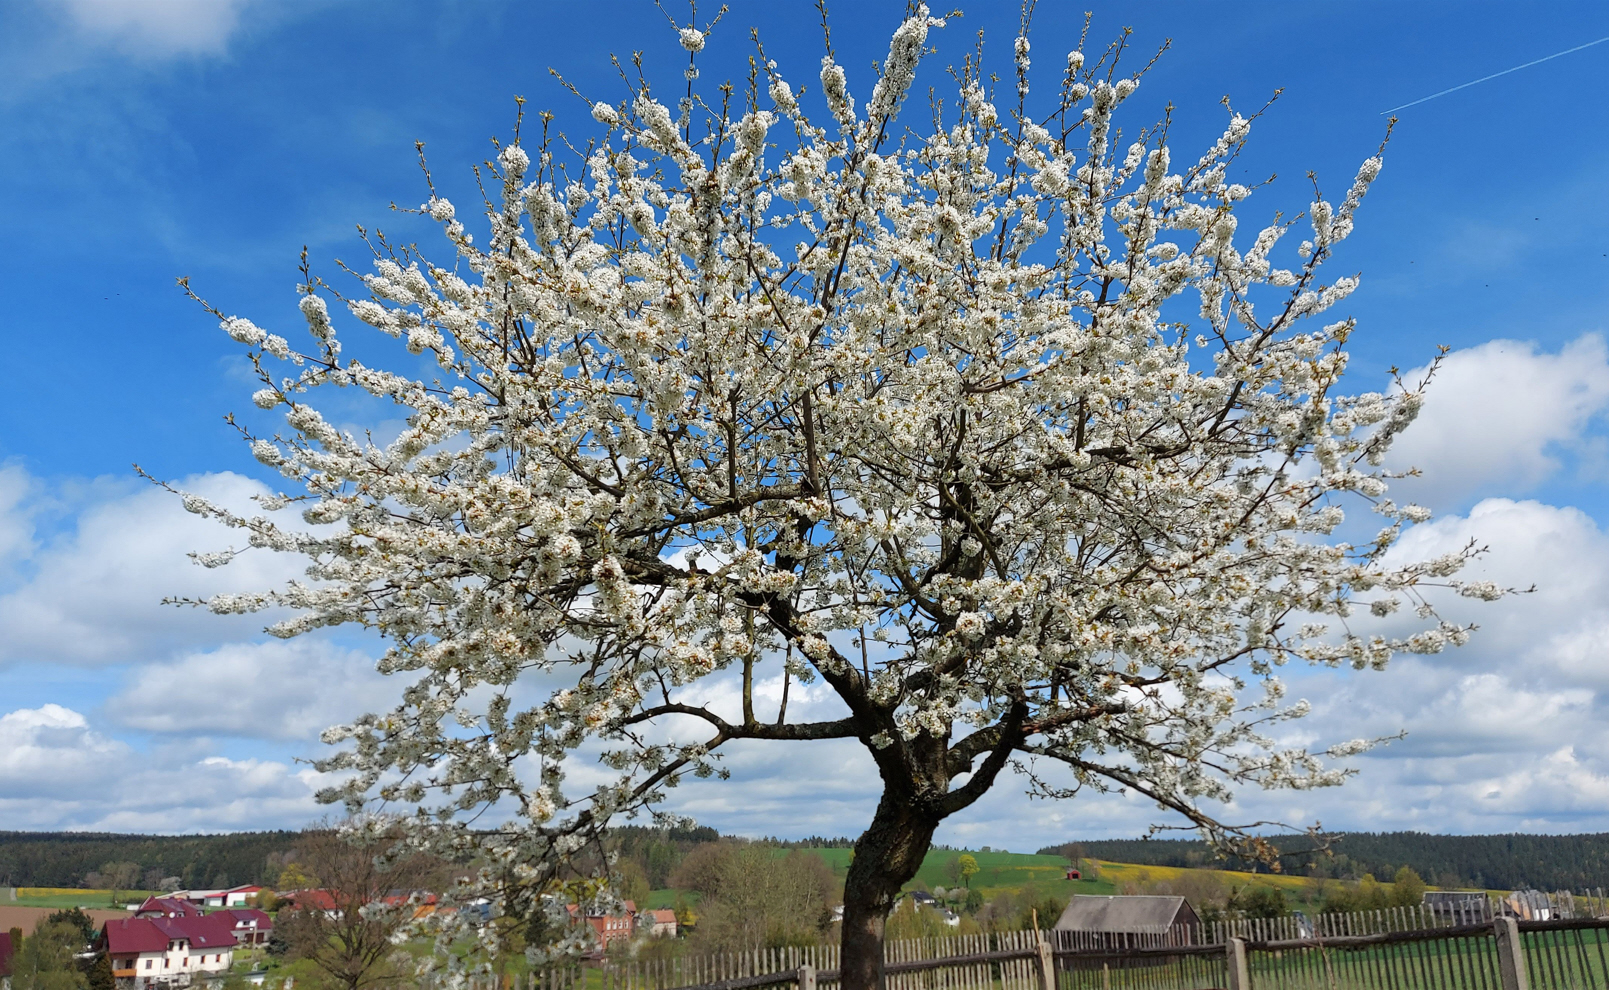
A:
(214, 138)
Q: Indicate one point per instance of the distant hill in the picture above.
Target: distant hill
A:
(61, 859)
(1499, 862)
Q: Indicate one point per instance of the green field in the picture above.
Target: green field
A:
(998, 872)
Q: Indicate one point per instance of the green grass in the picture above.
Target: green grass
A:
(998, 872)
(667, 898)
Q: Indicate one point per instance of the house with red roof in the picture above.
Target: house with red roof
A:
(658, 922)
(610, 927)
(313, 900)
(168, 907)
(7, 950)
(168, 951)
(252, 927)
(223, 897)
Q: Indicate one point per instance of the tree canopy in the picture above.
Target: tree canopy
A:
(1000, 428)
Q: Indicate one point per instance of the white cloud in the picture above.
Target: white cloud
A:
(277, 690)
(50, 751)
(1508, 733)
(1556, 635)
(1496, 418)
(159, 28)
(16, 522)
(94, 596)
(58, 771)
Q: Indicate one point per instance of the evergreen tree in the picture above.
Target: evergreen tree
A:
(100, 973)
(45, 960)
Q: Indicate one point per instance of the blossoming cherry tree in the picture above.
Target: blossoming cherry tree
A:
(1001, 429)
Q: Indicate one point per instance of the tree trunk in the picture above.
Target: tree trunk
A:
(886, 856)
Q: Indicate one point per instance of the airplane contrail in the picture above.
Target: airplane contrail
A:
(1494, 75)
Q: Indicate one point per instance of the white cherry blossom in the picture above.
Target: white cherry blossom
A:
(1016, 439)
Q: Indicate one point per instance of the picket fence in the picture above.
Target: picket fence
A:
(1164, 959)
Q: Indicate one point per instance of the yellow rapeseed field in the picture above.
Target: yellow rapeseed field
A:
(52, 891)
(1120, 873)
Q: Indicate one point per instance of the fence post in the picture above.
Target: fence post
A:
(1047, 965)
(1240, 973)
(1511, 955)
(807, 977)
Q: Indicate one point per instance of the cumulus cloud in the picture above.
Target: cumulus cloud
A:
(287, 691)
(94, 595)
(58, 771)
(16, 522)
(1498, 417)
(51, 752)
(158, 28)
(1500, 729)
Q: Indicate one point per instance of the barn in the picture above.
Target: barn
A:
(1120, 922)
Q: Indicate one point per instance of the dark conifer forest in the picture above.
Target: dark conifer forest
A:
(1499, 862)
(64, 859)
(1504, 862)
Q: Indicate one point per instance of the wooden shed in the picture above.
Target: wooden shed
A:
(1120, 922)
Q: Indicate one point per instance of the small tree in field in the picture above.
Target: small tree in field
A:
(350, 935)
(1002, 429)
(966, 867)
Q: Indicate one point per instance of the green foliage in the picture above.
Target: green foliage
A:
(1367, 894)
(1042, 912)
(100, 973)
(277, 946)
(1500, 862)
(910, 920)
(1407, 888)
(45, 960)
(967, 866)
(633, 881)
(755, 898)
(1259, 902)
(973, 902)
(78, 920)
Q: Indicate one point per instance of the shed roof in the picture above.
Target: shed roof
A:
(1134, 913)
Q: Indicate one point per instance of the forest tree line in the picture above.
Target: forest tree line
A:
(80, 859)
(1504, 862)
(1496, 862)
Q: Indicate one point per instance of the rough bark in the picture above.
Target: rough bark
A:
(887, 855)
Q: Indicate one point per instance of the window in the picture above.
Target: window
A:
(148, 964)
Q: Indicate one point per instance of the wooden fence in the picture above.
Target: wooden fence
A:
(1560, 941)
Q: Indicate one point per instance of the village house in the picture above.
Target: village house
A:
(168, 907)
(610, 927)
(313, 900)
(7, 950)
(252, 927)
(232, 897)
(658, 922)
(164, 951)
